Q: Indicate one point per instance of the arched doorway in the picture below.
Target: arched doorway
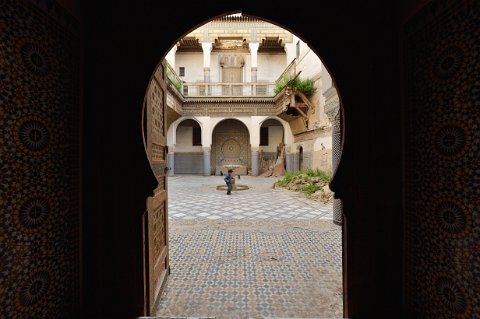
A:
(231, 137)
(272, 140)
(109, 127)
(188, 156)
(231, 147)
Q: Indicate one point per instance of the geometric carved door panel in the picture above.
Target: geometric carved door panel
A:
(155, 221)
(232, 75)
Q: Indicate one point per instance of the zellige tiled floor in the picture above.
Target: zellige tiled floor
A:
(259, 253)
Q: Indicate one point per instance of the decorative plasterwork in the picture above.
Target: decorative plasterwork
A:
(230, 43)
(230, 109)
(332, 107)
(312, 134)
(227, 100)
(232, 60)
(227, 106)
(250, 29)
(232, 147)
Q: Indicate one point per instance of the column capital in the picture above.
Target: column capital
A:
(207, 46)
(206, 149)
(253, 52)
(253, 46)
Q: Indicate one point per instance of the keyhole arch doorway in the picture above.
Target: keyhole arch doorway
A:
(156, 119)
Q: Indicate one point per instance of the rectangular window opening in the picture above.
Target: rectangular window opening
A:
(181, 71)
(197, 136)
(264, 136)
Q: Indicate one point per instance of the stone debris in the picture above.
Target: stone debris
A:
(302, 182)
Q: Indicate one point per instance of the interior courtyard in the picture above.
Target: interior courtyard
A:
(85, 147)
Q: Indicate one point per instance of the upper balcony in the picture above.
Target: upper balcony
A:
(228, 90)
(225, 90)
(224, 99)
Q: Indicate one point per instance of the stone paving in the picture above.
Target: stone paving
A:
(260, 253)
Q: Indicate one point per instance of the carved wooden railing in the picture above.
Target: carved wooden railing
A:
(198, 89)
(289, 73)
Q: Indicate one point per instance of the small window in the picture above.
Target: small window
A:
(264, 136)
(185, 90)
(197, 136)
(181, 71)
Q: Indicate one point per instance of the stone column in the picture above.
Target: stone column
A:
(332, 109)
(253, 52)
(255, 161)
(171, 160)
(206, 161)
(170, 57)
(207, 48)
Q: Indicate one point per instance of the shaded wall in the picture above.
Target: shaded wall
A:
(442, 167)
(40, 95)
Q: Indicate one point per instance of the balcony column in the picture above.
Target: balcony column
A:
(255, 150)
(207, 48)
(171, 160)
(206, 161)
(253, 52)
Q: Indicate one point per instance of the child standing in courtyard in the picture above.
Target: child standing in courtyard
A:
(228, 180)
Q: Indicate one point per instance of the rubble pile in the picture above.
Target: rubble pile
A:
(314, 187)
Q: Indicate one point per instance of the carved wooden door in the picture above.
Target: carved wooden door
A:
(156, 255)
(232, 75)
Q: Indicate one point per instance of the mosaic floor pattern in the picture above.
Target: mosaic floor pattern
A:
(253, 267)
(196, 198)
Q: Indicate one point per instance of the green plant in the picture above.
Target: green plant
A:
(174, 81)
(306, 86)
(280, 84)
(287, 178)
(308, 181)
(309, 189)
(178, 85)
(324, 176)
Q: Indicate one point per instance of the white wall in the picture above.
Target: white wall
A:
(170, 57)
(325, 140)
(193, 63)
(270, 66)
(184, 140)
(275, 136)
(309, 64)
(184, 135)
